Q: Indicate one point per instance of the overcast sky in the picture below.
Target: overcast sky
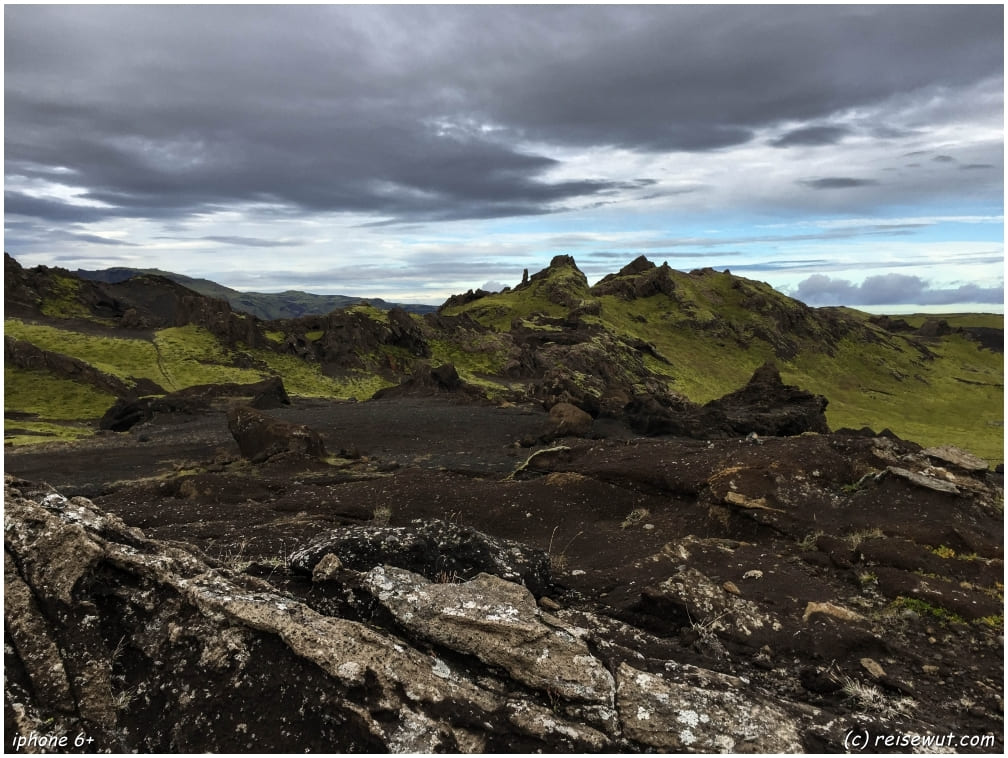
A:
(844, 154)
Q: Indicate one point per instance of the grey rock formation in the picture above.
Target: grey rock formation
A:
(499, 623)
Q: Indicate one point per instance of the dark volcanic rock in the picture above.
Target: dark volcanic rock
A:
(626, 595)
(435, 549)
(765, 407)
(428, 380)
(260, 436)
(129, 411)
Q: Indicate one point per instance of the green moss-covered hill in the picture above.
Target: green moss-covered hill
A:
(932, 379)
(73, 345)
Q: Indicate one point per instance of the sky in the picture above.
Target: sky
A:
(847, 155)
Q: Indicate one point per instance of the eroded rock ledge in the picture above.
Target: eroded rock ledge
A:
(150, 646)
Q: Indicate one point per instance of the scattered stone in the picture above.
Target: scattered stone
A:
(327, 568)
(929, 482)
(873, 668)
(548, 604)
(829, 609)
(695, 598)
(569, 421)
(731, 587)
(753, 574)
(740, 500)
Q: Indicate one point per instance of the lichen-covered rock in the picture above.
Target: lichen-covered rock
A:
(498, 622)
(710, 608)
(678, 717)
(956, 457)
(143, 647)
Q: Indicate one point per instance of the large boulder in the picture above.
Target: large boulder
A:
(569, 421)
(141, 646)
(260, 436)
(434, 549)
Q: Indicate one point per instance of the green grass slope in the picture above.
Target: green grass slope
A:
(714, 329)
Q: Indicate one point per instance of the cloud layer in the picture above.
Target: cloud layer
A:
(890, 289)
(337, 131)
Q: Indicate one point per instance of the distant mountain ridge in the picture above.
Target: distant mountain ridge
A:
(265, 305)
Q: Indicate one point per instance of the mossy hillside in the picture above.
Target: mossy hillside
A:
(190, 355)
(51, 397)
(497, 311)
(125, 358)
(701, 369)
(553, 292)
(956, 320)
(61, 408)
(22, 433)
(881, 386)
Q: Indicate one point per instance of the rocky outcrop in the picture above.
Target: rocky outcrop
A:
(141, 646)
(129, 411)
(437, 550)
(639, 278)
(692, 595)
(261, 437)
(499, 623)
(767, 407)
(764, 407)
(427, 380)
(569, 420)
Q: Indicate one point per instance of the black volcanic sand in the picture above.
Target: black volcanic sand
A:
(618, 515)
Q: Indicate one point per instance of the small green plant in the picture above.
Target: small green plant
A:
(808, 542)
(944, 552)
(448, 577)
(924, 608)
(121, 700)
(635, 517)
(854, 539)
(867, 578)
(869, 698)
(234, 559)
(859, 484)
(381, 516)
(558, 561)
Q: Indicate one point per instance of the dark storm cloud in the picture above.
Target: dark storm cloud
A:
(890, 289)
(166, 112)
(812, 135)
(836, 182)
(252, 241)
